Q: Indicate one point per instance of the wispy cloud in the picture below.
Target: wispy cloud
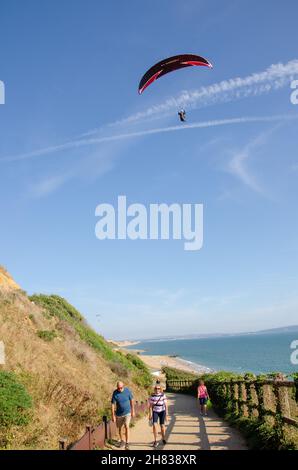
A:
(49, 185)
(91, 167)
(142, 133)
(237, 165)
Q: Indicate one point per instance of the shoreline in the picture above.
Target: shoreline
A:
(123, 344)
(157, 362)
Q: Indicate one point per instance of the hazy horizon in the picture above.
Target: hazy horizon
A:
(195, 335)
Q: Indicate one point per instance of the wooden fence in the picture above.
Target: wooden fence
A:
(273, 401)
(97, 437)
(185, 386)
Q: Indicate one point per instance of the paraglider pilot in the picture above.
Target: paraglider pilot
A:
(182, 115)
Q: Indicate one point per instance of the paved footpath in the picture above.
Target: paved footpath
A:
(187, 430)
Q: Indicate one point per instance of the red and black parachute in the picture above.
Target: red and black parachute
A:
(169, 65)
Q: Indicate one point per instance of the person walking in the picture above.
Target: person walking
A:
(158, 412)
(122, 411)
(203, 397)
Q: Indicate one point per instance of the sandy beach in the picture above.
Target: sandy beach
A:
(123, 344)
(158, 362)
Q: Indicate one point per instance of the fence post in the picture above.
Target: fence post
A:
(88, 430)
(229, 396)
(105, 422)
(248, 397)
(243, 398)
(62, 444)
(283, 397)
(235, 397)
(261, 402)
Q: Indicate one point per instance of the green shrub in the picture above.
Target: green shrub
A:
(142, 380)
(47, 335)
(177, 374)
(142, 376)
(15, 401)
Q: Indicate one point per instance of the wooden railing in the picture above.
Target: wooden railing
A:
(186, 386)
(261, 399)
(98, 436)
(273, 401)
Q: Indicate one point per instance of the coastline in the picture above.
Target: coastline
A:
(157, 362)
(123, 344)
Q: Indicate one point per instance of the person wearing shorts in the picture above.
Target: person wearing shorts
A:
(203, 397)
(158, 413)
(122, 411)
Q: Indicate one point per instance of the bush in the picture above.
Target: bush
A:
(47, 335)
(142, 377)
(144, 381)
(118, 369)
(177, 374)
(14, 401)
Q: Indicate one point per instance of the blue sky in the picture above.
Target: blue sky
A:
(71, 71)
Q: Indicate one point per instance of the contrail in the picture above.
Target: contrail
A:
(273, 78)
(276, 76)
(160, 130)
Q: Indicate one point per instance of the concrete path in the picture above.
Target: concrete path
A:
(187, 430)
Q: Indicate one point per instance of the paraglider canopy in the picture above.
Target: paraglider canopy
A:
(169, 65)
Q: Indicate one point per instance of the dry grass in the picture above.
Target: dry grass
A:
(70, 382)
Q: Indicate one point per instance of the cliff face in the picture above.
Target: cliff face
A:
(6, 281)
(68, 370)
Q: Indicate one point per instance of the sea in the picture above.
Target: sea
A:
(257, 353)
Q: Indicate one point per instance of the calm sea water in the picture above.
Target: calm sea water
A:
(247, 353)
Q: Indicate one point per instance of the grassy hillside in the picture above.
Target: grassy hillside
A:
(59, 373)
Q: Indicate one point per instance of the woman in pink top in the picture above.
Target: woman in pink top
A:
(203, 397)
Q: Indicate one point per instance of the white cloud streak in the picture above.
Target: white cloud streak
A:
(273, 78)
(142, 133)
(49, 185)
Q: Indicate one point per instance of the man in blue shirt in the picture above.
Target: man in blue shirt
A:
(122, 411)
